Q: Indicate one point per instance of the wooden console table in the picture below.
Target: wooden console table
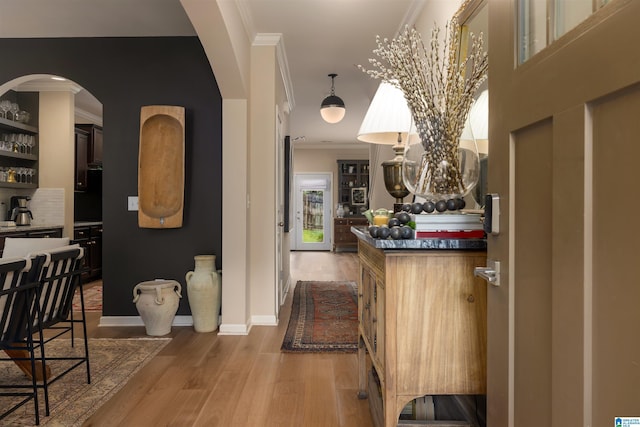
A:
(423, 322)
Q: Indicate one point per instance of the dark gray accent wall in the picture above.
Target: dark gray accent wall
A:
(126, 74)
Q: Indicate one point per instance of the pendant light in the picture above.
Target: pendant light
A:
(332, 108)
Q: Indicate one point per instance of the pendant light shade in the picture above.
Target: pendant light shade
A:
(332, 108)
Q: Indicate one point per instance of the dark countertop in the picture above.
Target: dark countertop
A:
(390, 244)
(86, 223)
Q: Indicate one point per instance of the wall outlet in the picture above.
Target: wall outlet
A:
(132, 203)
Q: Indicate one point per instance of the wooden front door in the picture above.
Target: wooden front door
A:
(565, 159)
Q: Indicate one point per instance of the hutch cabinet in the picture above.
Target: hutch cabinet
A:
(353, 185)
(423, 324)
(343, 238)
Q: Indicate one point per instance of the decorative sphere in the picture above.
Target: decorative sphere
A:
(416, 208)
(429, 206)
(406, 232)
(384, 232)
(396, 233)
(373, 231)
(403, 217)
(441, 206)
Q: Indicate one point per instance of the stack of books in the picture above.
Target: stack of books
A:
(449, 226)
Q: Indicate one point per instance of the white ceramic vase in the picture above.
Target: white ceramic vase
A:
(157, 303)
(203, 290)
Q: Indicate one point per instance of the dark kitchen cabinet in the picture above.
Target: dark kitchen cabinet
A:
(94, 144)
(88, 153)
(82, 165)
(90, 238)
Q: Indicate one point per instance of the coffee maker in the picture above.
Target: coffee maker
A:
(19, 212)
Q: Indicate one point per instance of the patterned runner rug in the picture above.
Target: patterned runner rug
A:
(324, 318)
(71, 400)
(92, 297)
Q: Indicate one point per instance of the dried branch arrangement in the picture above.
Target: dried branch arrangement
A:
(439, 90)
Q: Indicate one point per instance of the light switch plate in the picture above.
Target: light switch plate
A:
(132, 203)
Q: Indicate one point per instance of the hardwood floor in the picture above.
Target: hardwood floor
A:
(202, 379)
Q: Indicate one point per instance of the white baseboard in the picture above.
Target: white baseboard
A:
(234, 329)
(269, 320)
(137, 321)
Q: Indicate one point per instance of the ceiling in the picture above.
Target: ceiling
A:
(320, 37)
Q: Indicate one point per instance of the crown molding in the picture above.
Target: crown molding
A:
(49, 86)
(89, 117)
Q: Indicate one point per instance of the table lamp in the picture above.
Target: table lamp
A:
(388, 121)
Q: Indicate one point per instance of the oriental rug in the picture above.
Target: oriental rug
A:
(92, 297)
(324, 318)
(71, 400)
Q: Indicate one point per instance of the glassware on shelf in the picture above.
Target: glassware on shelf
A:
(23, 116)
(5, 106)
(31, 143)
(14, 110)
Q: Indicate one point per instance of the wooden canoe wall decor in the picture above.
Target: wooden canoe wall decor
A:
(161, 167)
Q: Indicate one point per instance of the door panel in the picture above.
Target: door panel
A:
(616, 289)
(532, 292)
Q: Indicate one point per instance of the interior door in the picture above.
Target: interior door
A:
(562, 325)
(313, 212)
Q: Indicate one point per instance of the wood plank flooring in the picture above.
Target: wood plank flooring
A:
(202, 379)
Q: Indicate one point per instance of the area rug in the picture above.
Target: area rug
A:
(92, 297)
(324, 318)
(71, 400)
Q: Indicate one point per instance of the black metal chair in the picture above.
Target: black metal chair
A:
(18, 315)
(59, 278)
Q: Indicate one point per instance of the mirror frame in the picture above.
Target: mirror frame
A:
(467, 11)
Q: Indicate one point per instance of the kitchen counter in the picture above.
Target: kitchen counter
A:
(389, 244)
(28, 228)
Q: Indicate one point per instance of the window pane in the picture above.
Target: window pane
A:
(562, 15)
(532, 28)
(570, 13)
(312, 210)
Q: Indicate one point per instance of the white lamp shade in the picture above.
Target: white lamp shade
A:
(479, 122)
(387, 116)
